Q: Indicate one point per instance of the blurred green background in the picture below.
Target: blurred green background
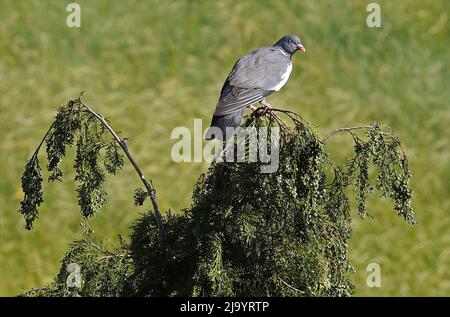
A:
(151, 66)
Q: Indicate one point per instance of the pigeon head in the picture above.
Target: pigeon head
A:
(290, 44)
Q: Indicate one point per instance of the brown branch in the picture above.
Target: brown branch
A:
(271, 112)
(291, 287)
(149, 187)
(42, 141)
(349, 130)
(107, 257)
(401, 149)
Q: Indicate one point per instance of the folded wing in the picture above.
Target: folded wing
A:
(252, 78)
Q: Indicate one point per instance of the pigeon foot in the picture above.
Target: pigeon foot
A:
(267, 106)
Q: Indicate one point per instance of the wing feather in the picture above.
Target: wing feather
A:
(252, 78)
(238, 98)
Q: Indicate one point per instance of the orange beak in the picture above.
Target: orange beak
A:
(301, 48)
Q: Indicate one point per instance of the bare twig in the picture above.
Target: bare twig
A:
(42, 141)
(291, 287)
(107, 257)
(349, 130)
(149, 187)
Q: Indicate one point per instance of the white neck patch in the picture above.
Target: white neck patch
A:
(284, 78)
(282, 51)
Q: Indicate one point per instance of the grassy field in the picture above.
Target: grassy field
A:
(153, 66)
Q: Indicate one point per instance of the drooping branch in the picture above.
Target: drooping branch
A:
(150, 189)
(78, 119)
(349, 130)
(42, 141)
(380, 147)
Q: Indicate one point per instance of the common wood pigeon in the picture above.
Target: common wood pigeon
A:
(254, 77)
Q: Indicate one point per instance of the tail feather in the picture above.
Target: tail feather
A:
(231, 120)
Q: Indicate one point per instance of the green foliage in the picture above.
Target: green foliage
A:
(139, 196)
(392, 180)
(163, 267)
(102, 272)
(253, 234)
(73, 123)
(32, 188)
(62, 134)
(90, 176)
(113, 159)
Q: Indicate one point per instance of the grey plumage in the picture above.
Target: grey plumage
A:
(254, 77)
